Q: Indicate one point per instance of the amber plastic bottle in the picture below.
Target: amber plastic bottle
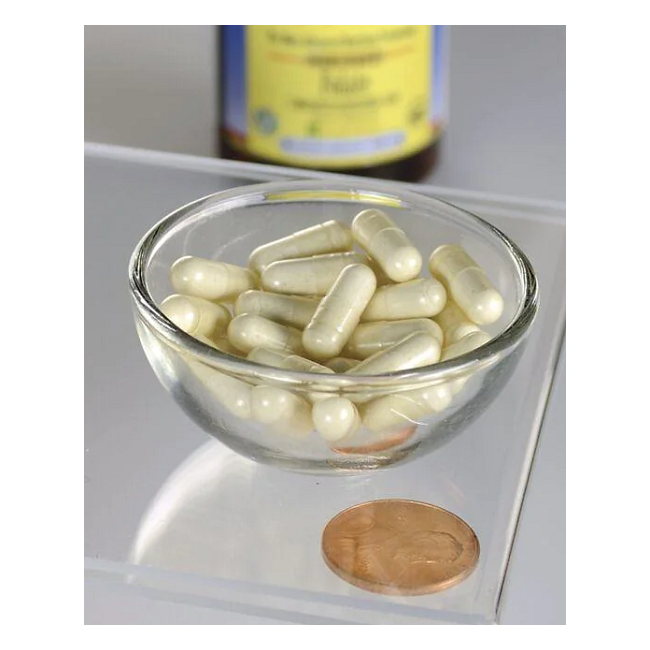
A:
(368, 100)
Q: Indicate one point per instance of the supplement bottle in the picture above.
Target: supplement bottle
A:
(368, 100)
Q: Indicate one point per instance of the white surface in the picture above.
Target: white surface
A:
(155, 87)
(534, 592)
(535, 587)
(118, 605)
(134, 419)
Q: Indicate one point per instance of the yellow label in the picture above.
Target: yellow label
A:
(338, 95)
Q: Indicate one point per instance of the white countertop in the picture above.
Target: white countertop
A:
(534, 591)
(133, 442)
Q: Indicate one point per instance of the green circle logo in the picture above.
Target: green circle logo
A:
(265, 121)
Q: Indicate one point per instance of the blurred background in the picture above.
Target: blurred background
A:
(162, 88)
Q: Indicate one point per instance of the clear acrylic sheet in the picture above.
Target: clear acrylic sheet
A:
(175, 515)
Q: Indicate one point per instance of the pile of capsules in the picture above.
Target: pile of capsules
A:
(308, 302)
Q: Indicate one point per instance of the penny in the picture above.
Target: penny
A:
(400, 547)
(383, 444)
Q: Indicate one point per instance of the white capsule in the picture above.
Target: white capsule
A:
(295, 311)
(226, 346)
(307, 276)
(335, 418)
(414, 351)
(467, 283)
(369, 338)
(339, 312)
(388, 244)
(407, 407)
(341, 364)
(280, 409)
(328, 237)
(286, 360)
(421, 298)
(202, 278)
(455, 325)
(468, 343)
(382, 278)
(249, 331)
(233, 394)
(222, 344)
(196, 315)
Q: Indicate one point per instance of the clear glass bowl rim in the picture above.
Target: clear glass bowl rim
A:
(147, 309)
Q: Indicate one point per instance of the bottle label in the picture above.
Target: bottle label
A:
(333, 96)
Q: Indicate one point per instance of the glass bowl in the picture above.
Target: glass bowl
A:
(215, 388)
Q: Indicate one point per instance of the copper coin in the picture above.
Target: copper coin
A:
(400, 547)
(383, 444)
